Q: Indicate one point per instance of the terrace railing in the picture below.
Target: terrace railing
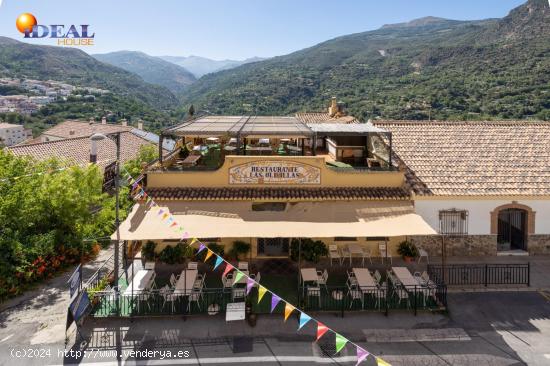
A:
(481, 274)
(214, 300)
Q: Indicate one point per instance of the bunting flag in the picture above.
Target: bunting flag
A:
(288, 310)
(174, 224)
(340, 342)
(228, 268)
(219, 261)
(180, 229)
(261, 292)
(201, 248)
(134, 185)
(194, 240)
(165, 215)
(238, 277)
(161, 211)
(185, 236)
(304, 318)
(249, 284)
(274, 301)
(321, 330)
(208, 254)
(381, 362)
(361, 355)
(170, 219)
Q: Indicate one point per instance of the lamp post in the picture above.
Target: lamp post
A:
(93, 159)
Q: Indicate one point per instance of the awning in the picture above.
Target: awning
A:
(299, 220)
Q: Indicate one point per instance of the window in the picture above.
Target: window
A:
(345, 238)
(453, 222)
(376, 238)
(269, 206)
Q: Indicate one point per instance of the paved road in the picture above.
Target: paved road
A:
(511, 328)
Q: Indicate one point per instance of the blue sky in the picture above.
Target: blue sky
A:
(234, 29)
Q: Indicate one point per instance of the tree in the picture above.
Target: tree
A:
(191, 111)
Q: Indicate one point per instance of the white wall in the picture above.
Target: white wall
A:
(479, 213)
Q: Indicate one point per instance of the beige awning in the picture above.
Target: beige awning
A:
(305, 220)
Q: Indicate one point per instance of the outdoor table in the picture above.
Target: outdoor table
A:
(308, 275)
(356, 249)
(230, 148)
(191, 160)
(140, 283)
(235, 311)
(185, 283)
(364, 279)
(294, 148)
(405, 277)
(212, 139)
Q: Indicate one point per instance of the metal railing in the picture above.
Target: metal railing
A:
(214, 300)
(481, 274)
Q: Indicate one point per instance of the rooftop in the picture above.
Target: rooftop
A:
(481, 158)
(75, 128)
(8, 125)
(323, 117)
(335, 129)
(77, 150)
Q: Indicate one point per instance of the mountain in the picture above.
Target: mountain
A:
(426, 68)
(153, 70)
(71, 65)
(200, 66)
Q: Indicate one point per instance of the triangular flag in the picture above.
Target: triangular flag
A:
(361, 355)
(193, 241)
(228, 268)
(208, 254)
(304, 318)
(321, 330)
(170, 219)
(340, 342)
(381, 362)
(180, 228)
(201, 248)
(274, 301)
(185, 235)
(219, 261)
(261, 292)
(249, 284)
(174, 224)
(165, 215)
(238, 277)
(288, 310)
(161, 211)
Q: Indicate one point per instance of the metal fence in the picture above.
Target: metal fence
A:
(214, 300)
(481, 274)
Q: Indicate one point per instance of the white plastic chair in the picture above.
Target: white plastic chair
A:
(192, 265)
(423, 253)
(346, 253)
(256, 277)
(315, 292)
(173, 280)
(322, 278)
(228, 280)
(238, 293)
(334, 253)
(243, 266)
(355, 294)
(149, 265)
(382, 248)
(195, 296)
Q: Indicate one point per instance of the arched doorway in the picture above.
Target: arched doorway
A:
(512, 229)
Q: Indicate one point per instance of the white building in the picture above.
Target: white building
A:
(11, 134)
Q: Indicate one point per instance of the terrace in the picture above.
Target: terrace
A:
(204, 143)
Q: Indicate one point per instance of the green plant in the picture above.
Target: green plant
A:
(311, 250)
(172, 254)
(148, 251)
(216, 248)
(407, 249)
(101, 285)
(239, 247)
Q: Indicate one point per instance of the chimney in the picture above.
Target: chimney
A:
(93, 149)
(123, 122)
(104, 120)
(333, 109)
(341, 112)
(71, 132)
(140, 125)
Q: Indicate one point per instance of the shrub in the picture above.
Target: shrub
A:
(407, 249)
(311, 250)
(172, 254)
(148, 251)
(239, 247)
(216, 248)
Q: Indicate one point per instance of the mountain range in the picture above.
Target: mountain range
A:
(200, 66)
(153, 70)
(426, 68)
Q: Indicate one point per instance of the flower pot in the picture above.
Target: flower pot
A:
(408, 259)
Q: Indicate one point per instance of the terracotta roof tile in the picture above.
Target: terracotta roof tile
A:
(82, 128)
(323, 117)
(473, 158)
(279, 193)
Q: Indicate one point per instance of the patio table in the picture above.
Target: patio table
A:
(356, 249)
(405, 277)
(185, 283)
(191, 160)
(364, 279)
(141, 282)
(294, 148)
(309, 274)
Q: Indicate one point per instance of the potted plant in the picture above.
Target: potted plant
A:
(239, 248)
(407, 250)
(148, 251)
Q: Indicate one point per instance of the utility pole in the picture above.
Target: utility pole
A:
(117, 220)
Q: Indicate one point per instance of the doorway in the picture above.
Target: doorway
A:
(275, 247)
(512, 229)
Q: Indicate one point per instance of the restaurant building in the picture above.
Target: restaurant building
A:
(267, 179)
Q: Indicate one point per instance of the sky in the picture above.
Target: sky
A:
(232, 29)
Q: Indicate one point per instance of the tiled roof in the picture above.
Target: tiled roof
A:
(482, 158)
(77, 150)
(83, 128)
(323, 117)
(279, 193)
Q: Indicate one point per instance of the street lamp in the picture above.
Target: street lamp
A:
(93, 159)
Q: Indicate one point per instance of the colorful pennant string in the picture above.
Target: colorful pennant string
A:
(321, 330)
(304, 318)
(219, 261)
(274, 301)
(361, 355)
(340, 342)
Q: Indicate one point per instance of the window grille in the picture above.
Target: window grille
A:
(453, 222)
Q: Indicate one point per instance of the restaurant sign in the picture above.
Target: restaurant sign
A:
(274, 172)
